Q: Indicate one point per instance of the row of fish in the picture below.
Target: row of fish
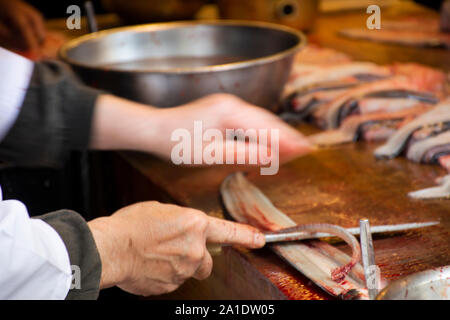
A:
(406, 104)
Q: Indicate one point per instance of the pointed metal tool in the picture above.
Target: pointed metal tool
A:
(371, 270)
(279, 236)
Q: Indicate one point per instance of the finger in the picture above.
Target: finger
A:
(289, 137)
(241, 152)
(37, 21)
(227, 232)
(5, 35)
(290, 141)
(231, 152)
(205, 268)
(25, 29)
(280, 146)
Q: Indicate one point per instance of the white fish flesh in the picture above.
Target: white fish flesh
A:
(319, 261)
(373, 126)
(337, 72)
(397, 84)
(440, 114)
(430, 149)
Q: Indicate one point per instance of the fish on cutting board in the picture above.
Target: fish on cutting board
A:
(424, 140)
(438, 118)
(302, 104)
(368, 127)
(307, 91)
(429, 150)
(441, 191)
(399, 87)
(337, 72)
(328, 267)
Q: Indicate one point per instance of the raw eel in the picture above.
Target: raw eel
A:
(370, 127)
(441, 191)
(337, 72)
(440, 114)
(300, 105)
(429, 79)
(384, 101)
(319, 261)
(403, 87)
(430, 149)
(372, 104)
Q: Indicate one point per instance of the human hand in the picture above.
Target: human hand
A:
(151, 248)
(122, 124)
(21, 26)
(225, 111)
(445, 16)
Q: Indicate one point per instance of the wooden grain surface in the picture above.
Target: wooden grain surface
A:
(327, 27)
(339, 185)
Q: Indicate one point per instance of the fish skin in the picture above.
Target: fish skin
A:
(417, 152)
(384, 101)
(315, 259)
(395, 83)
(397, 142)
(337, 72)
(433, 154)
(350, 129)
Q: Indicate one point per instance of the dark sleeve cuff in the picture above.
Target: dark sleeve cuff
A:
(55, 118)
(80, 244)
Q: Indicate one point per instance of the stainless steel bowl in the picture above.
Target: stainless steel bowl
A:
(433, 284)
(168, 64)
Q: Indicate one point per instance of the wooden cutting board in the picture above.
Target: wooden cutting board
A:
(339, 186)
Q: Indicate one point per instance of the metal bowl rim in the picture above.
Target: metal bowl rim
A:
(63, 53)
(398, 284)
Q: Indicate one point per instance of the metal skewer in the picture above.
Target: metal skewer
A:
(279, 236)
(371, 271)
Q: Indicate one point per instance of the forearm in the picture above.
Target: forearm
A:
(120, 124)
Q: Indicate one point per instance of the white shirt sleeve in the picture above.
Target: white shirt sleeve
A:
(34, 263)
(15, 75)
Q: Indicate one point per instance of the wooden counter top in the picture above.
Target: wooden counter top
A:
(339, 185)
